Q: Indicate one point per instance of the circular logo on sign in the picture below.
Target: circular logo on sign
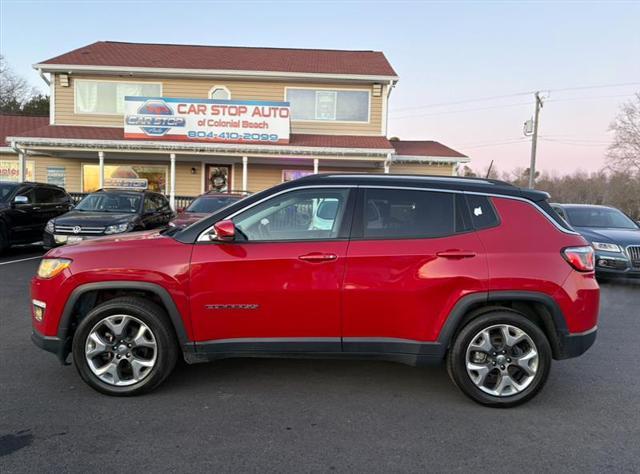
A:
(154, 110)
(76, 229)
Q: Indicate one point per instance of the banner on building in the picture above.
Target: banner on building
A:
(206, 120)
(10, 171)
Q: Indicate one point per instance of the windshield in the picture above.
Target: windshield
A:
(598, 217)
(210, 204)
(110, 202)
(6, 189)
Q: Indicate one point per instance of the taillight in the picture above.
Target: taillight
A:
(580, 258)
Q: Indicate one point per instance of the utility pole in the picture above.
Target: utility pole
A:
(534, 141)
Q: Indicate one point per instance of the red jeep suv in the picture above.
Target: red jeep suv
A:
(412, 269)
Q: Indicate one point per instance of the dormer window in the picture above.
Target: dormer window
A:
(219, 93)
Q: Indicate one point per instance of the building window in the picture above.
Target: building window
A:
(329, 105)
(152, 177)
(290, 175)
(219, 93)
(107, 97)
(10, 171)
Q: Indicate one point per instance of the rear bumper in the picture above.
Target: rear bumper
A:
(574, 345)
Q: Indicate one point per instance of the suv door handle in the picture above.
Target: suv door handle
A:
(456, 254)
(317, 257)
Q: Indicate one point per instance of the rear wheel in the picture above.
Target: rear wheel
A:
(500, 359)
(125, 346)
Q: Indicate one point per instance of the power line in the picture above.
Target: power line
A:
(448, 112)
(459, 102)
(516, 94)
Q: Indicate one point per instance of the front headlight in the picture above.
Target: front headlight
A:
(606, 247)
(50, 267)
(118, 228)
(50, 227)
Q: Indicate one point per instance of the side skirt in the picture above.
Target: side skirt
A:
(414, 353)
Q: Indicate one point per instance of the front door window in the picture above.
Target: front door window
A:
(312, 214)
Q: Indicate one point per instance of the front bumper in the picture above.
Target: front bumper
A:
(614, 265)
(574, 345)
(52, 344)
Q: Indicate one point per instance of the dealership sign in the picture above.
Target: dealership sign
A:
(208, 120)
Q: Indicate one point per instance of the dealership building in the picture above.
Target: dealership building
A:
(183, 120)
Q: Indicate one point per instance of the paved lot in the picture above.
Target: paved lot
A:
(302, 416)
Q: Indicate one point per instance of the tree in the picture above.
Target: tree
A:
(624, 152)
(17, 96)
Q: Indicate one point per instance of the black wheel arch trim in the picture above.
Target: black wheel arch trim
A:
(161, 292)
(555, 322)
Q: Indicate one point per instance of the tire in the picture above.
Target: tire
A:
(502, 380)
(4, 238)
(136, 361)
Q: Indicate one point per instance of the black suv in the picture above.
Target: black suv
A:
(107, 212)
(25, 209)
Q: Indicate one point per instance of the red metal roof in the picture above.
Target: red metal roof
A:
(175, 56)
(111, 133)
(11, 125)
(424, 148)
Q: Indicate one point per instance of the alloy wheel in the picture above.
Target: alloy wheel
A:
(502, 360)
(121, 350)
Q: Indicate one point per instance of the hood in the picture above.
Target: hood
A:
(622, 237)
(185, 218)
(97, 219)
(92, 245)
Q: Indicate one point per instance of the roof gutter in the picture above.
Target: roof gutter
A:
(430, 159)
(44, 78)
(162, 146)
(151, 71)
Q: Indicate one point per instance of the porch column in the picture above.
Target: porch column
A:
(172, 182)
(245, 162)
(315, 165)
(22, 167)
(101, 169)
(387, 163)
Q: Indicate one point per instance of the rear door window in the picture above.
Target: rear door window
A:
(404, 213)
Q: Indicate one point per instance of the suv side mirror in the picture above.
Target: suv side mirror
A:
(18, 200)
(225, 230)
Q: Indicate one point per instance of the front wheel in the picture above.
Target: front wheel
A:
(124, 347)
(500, 359)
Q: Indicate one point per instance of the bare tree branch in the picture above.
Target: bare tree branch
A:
(624, 152)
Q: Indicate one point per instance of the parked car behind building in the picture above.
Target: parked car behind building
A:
(614, 236)
(25, 209)
(109, 211)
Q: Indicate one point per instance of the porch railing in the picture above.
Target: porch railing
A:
(181, 201)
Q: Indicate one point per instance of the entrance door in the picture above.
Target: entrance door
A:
(218, 178)
(278, 286)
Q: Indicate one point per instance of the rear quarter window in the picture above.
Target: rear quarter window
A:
(482, 213)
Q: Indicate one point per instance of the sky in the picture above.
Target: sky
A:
(468, 70)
